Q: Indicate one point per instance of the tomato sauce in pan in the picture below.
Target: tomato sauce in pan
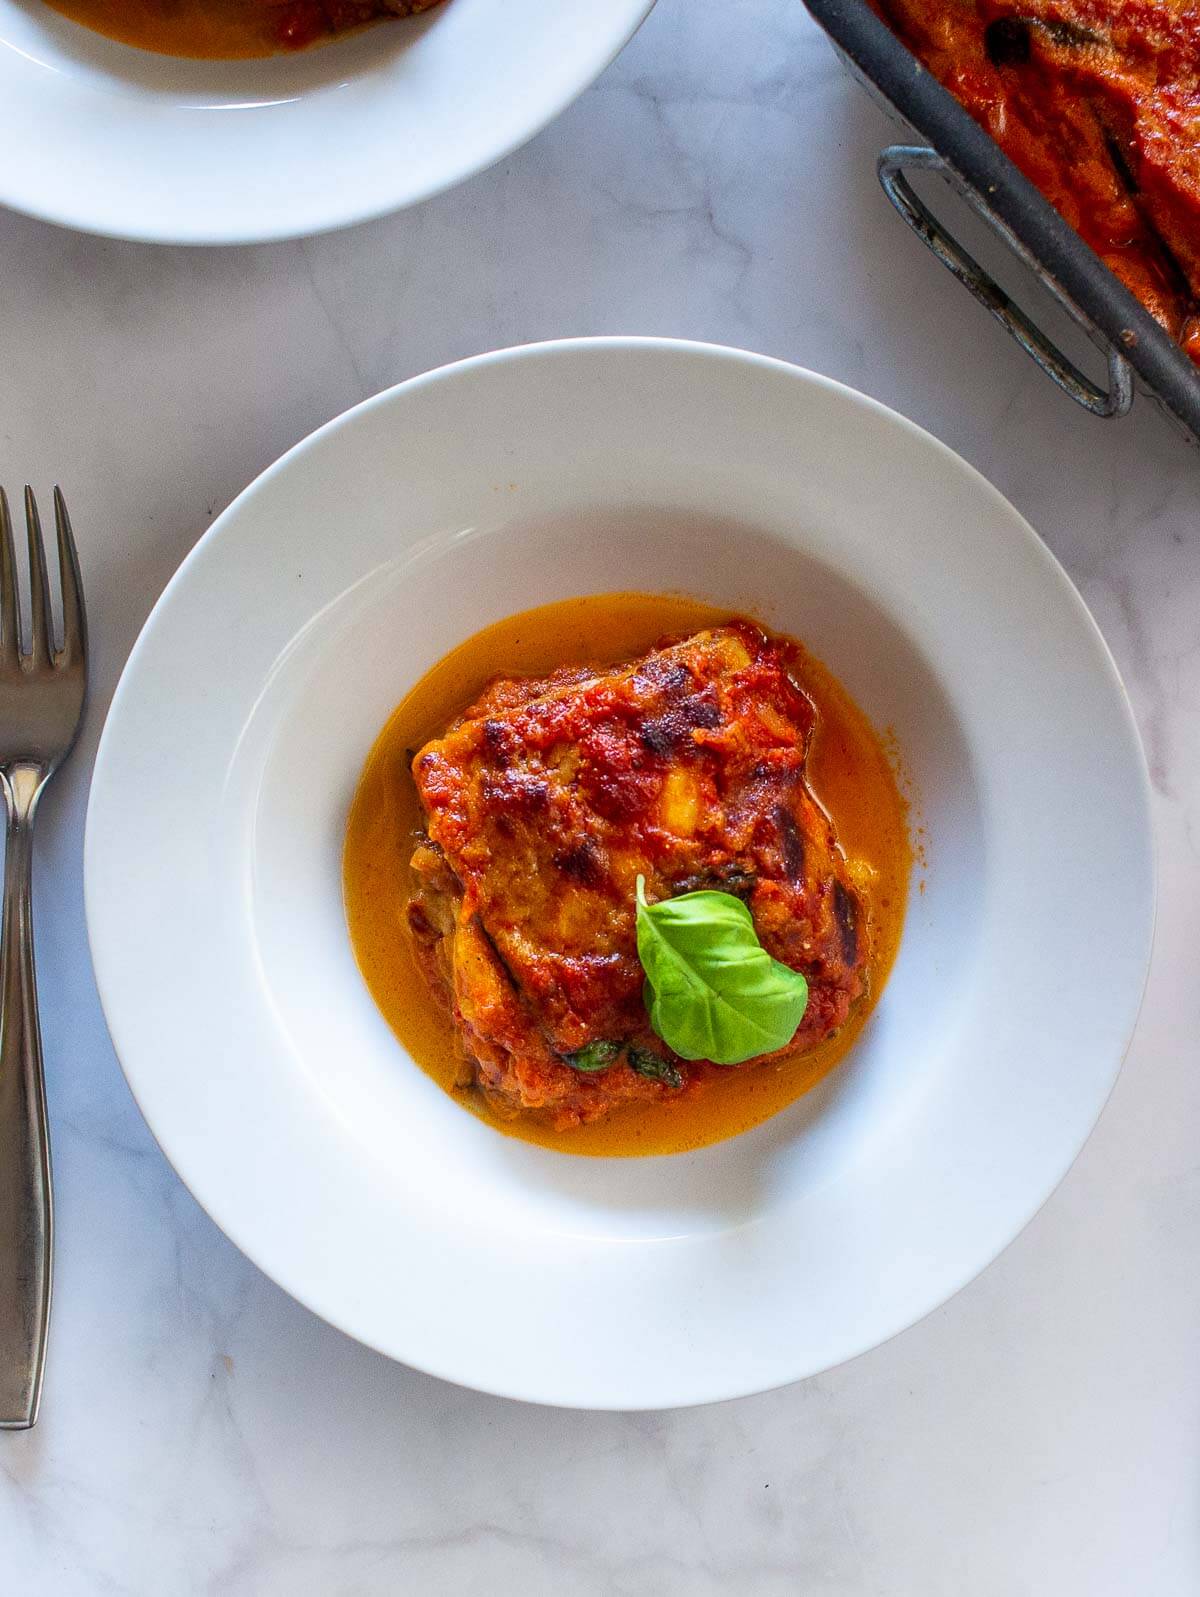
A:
(1098, 103)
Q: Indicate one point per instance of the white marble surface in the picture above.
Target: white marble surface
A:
(202, 1433)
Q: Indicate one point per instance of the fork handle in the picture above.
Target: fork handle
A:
(26, 1217)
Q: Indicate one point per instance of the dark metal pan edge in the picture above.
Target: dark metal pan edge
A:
(922, 102)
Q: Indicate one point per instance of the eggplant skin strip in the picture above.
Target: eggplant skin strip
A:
(1097, 102)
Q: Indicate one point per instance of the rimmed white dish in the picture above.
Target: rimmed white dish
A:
(119, 141)
(213, 873)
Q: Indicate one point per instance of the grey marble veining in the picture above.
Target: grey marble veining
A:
(202, 1433)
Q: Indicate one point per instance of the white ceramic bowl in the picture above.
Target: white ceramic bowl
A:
(114, 140)
(274, 1086)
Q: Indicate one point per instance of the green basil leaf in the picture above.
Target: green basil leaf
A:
(712, 990)
(645, 1062)
(593, 1056)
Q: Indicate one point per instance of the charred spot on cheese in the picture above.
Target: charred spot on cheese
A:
(1006, 41)
(671, 732)
(729, 878)
(583, 861)
(845, 909)
(792, 841)
(544, 802)
(497, 740)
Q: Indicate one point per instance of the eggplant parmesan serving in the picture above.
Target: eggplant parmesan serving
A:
(620, 889)
(229, 29)
(1098, 103)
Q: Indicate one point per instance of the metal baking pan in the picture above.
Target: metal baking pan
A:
(954, 145)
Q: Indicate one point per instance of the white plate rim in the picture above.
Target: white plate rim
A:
(736, 1386)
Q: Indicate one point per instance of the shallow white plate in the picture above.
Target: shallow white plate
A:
(214, 898)
(114, 140)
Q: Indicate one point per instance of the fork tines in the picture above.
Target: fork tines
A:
(42, 651)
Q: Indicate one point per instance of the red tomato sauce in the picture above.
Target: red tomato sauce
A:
(1098, 103)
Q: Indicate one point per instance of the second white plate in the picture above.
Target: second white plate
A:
(113, 140)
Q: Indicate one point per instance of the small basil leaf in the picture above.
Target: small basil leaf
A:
(593, 1056)
(712, 990)
(644, 1062)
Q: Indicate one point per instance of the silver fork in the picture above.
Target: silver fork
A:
(42, 695)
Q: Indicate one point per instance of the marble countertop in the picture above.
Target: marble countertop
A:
(201, 1433)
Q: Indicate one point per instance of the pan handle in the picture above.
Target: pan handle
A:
(893, 164)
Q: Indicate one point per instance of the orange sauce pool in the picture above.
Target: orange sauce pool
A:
(849, 771)
(222, 30)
